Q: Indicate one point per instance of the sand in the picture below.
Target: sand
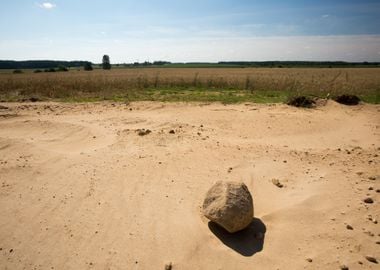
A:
(80, 189)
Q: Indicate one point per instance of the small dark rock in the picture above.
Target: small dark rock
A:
(143, 132)
(3, 107)
(277, 183)
(309, 260)
(344, 267)
(371, 259)
(368, 200)
(168, 266)
(172, 131)
(349, 227)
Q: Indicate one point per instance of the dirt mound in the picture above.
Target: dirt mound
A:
(347, 100)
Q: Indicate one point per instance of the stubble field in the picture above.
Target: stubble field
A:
(228, 85)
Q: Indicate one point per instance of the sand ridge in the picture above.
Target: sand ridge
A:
(80, 189)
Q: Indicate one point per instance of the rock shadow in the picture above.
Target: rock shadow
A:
(246, 242)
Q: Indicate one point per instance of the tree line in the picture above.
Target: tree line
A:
(52, 66)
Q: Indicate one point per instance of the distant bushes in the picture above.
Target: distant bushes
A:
(87, 66)
(17, 71)
(62, 68)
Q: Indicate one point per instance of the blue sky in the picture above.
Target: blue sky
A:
(197, 30)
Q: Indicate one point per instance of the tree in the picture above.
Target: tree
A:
(62, 68)
(87, 66)
(106, 62)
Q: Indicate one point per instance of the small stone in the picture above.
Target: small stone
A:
(168, 266)
(370, 188)
(372, 178)
(371, 259)
(344, 267)
(368, 200)
(309, 260)
(143, 132)
(349, 227)
(172, 131)
(277, 183)
(11, 250)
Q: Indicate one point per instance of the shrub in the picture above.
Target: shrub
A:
(347, 99)
(301, 101)
(17, 71)
(62, 68)
(87, 66)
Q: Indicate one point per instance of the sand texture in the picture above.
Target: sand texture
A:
(81, 189)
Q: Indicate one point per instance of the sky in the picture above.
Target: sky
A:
(190, 30)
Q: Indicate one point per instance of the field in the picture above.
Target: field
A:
(227, 85)
(80, 189)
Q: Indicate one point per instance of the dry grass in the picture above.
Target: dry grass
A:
(241, 84)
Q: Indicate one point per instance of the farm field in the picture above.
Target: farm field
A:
(81, 189)
(227, 85)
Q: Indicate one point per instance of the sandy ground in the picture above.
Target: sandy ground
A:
(80, 189)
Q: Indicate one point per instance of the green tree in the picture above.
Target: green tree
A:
(106, 63)
(87, 66)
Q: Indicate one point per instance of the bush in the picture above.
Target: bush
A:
(62, 68)
(347, 100)
(87, 66)
(17, 71)
(50, 70)
(37, 71)
(301, 101)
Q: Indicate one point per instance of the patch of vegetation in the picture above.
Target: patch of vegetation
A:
(347, 99)
(301, 101)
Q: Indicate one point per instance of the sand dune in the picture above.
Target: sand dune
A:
(80, 189)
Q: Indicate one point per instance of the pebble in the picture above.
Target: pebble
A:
(349, 227)
(344, 267)
(371, 259)
(172, 131)
(277, 183)
(309, 260)
(368, 200)
(168, 266)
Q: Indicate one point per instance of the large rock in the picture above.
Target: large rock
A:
(230, 205)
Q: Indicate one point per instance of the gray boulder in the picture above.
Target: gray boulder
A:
(230, 205)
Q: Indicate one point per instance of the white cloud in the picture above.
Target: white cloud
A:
(325, 16)
(47, 5)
